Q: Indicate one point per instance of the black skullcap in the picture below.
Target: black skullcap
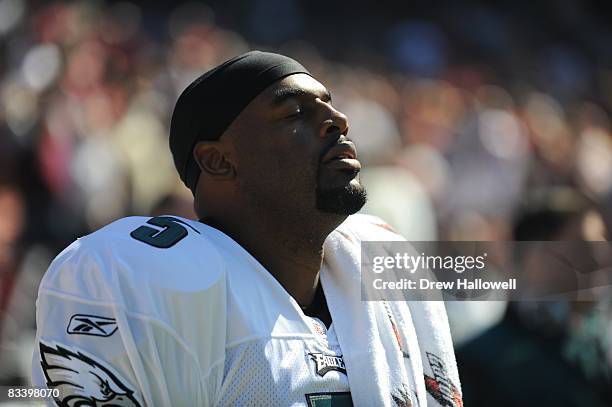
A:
(211, 103)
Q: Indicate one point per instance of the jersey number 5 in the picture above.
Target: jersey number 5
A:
(171, 234)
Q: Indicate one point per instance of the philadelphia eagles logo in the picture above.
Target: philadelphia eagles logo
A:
(82, 381)
(325, 363)
(440, 387)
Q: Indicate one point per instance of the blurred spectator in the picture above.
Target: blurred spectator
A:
(557, 353)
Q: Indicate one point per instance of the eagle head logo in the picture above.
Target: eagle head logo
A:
(82, 381)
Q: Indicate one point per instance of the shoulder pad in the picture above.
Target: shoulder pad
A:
(145, 257)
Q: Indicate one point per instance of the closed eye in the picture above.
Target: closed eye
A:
(294, 115)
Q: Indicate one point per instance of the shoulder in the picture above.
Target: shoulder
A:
(363, 227)
(137, 254)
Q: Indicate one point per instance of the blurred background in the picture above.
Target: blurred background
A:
(476, 121)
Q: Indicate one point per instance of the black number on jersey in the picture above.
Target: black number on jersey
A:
(172, 233)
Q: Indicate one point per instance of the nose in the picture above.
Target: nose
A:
(335, 122)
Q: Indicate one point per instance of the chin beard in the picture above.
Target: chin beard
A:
(345, 200)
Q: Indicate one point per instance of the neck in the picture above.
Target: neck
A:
(291, 251)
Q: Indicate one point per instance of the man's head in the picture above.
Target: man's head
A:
(260, 132)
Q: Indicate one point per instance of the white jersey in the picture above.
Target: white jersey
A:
(166, 311)
(186, 317)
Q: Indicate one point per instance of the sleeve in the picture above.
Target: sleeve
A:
(106, 334)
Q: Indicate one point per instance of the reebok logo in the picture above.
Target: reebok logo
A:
(82, 324)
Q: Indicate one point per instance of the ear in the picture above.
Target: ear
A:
(213, 159)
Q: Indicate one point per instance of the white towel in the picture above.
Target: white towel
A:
(396, 353)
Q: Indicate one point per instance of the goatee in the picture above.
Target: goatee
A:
(345, 200)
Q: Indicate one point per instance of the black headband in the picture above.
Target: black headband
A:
(210, 104)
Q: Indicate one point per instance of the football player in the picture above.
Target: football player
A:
(258, 302)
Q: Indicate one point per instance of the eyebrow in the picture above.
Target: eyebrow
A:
(282, 94)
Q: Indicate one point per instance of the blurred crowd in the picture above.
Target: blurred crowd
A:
(465, 115)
